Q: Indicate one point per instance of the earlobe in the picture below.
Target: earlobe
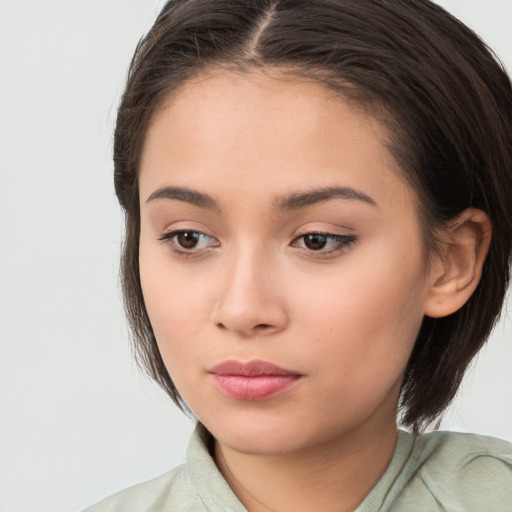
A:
(456, 267)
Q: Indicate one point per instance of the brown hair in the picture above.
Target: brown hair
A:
(444, 97)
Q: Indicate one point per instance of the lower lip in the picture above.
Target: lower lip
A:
(254, 388)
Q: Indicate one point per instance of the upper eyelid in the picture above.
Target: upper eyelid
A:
(167, 239)
(321, 232)
(347, 231)
(327, 234)
(342, 241)
(173, 232)
(170, 234)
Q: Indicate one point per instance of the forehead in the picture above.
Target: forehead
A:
(266, 85)
(267, 132)
(265, 97)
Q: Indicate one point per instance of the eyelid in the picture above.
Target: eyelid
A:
(344, 242)
(167, 238)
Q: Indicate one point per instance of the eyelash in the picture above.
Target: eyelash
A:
(168, 239)
(342, 242)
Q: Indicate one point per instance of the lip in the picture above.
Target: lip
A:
(252, 380)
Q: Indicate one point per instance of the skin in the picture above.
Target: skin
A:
(345, 320)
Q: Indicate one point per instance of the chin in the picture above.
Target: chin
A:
(263, 444)
(253, 434)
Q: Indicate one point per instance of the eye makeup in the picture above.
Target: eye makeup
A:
(189, 242)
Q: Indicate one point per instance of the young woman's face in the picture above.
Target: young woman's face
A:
(276, 231)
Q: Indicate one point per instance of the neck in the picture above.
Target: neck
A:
(335, 475)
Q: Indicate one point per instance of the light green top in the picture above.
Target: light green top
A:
(436, 472)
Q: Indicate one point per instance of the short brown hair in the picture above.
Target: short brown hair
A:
(444, 97)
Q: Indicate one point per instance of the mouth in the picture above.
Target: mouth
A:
(253, 380)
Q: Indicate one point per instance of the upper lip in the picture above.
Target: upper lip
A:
(254, 368)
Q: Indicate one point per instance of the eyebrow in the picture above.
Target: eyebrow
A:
(287, 203)
(186, 195)
(304, 199)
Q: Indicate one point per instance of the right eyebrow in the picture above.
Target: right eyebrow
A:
(186, 195)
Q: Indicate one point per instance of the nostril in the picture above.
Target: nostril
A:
(258, 327)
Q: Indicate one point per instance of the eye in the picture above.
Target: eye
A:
(188, 242)
(324, 243)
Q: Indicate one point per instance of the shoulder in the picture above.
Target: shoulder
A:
(196, 486)
(172, 490)
(461, 472)
(464, 455)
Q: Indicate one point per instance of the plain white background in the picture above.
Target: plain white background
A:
(78, 420)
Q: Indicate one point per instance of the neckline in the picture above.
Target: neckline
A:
(215, 492)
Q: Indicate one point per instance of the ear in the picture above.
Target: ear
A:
(456, 267)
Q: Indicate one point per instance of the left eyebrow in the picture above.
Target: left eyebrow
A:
(311, 197)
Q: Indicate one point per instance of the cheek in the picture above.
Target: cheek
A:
(367, 315)
(176, 306)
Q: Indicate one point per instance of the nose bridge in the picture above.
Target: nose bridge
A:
(249, 299)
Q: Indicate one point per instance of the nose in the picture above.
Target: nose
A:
(251, 301)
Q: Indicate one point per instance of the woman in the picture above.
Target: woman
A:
(318, 239)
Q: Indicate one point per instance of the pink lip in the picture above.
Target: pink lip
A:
(252, 380)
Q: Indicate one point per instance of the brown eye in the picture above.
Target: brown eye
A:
(188, 239)
(325, 244)
(315, 241)
(188, 243)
